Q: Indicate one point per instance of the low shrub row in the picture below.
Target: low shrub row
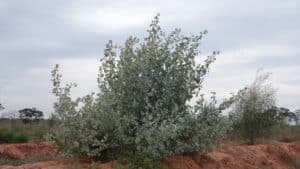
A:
(12, 137)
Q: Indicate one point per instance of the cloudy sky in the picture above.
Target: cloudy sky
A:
(252, 34)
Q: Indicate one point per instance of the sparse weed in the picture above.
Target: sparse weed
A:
(94, 165)
(145, 163)
(73, 166)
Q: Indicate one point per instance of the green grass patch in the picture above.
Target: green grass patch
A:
(12, 137)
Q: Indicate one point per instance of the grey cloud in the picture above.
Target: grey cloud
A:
(34, 33)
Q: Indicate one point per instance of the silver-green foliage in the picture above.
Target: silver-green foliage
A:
(141, 109)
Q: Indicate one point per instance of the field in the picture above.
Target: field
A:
(33, 131)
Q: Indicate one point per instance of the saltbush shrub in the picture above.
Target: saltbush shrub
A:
(142, 110)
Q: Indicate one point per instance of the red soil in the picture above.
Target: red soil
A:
(275, 155)
(24, 150)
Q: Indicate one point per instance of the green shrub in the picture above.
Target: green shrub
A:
(1, 136)
(9, 137)
(254, 113)
(12, 137)
(38, 134)
(21, 139)
(142, 109)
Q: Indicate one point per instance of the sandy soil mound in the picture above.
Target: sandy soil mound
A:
(24, 150)
(275, 155)
(62, 164)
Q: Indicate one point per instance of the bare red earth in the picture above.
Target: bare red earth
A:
(274, 155)
(24, 150)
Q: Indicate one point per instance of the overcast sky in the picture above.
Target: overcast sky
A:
(252, 34)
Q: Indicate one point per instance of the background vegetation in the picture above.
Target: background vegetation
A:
(142, 112)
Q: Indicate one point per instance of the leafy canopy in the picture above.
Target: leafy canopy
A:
(141, 109)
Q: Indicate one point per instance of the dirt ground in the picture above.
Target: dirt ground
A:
(274, 155)
(24, 150)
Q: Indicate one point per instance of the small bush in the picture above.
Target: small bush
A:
(38, 134)
(21, 139)
(254, 113)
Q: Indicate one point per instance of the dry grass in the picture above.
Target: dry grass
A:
(288, 134)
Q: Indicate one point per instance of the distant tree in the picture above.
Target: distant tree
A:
(29, 115)
(297, 117)
(254, 112)
(1, 107)
(281, 114)
(292, 117)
